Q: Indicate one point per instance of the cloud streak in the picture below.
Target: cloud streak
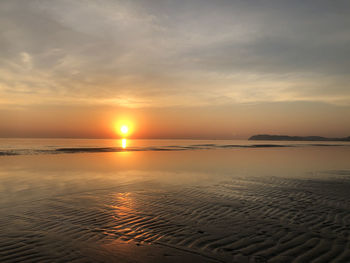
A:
(174, 53)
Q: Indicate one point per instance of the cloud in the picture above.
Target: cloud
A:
(174, 53)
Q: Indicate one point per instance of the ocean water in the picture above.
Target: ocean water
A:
(56, 146)
(174, 200)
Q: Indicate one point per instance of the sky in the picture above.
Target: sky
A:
(174, 69)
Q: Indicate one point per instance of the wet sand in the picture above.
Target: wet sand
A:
(266, 205)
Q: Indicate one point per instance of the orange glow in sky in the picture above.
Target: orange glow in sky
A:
(239, 68)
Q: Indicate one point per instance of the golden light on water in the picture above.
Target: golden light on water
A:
(124, 143)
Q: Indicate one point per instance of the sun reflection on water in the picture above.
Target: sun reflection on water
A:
(124, 143)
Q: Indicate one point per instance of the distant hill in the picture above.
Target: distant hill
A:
(267, 137)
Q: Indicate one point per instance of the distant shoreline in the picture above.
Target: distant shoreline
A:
(267, 137)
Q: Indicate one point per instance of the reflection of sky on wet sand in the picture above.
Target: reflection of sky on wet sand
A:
(180, 198)
(125, 203)
(67, 173)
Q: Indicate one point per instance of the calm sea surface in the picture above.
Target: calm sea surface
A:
(54, 146)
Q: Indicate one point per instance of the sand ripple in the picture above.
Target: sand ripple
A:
(241, 220)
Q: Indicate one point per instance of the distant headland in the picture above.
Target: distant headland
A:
(267, 137)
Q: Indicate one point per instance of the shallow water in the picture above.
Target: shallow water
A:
(209, 204)
(59, 146)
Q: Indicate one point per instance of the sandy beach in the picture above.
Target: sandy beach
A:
(245, 205)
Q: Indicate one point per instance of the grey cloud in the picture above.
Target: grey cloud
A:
(156, 49)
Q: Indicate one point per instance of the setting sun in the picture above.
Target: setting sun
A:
(124, 129)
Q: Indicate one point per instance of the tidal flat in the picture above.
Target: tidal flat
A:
(284, 204)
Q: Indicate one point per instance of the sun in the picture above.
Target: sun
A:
(124, 130)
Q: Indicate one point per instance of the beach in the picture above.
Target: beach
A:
(264, 204)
